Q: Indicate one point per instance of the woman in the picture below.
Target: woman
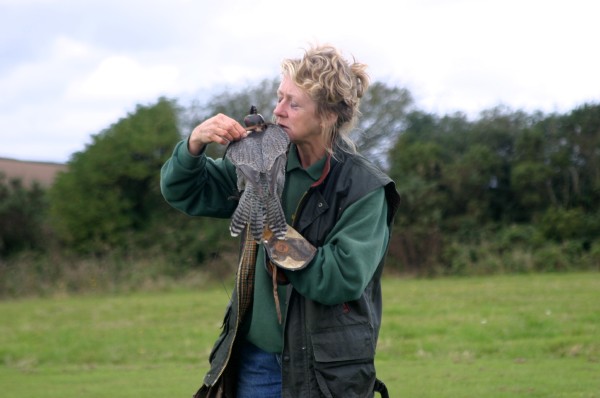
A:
(339, 202)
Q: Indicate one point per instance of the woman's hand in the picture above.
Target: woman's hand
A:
(220, 129)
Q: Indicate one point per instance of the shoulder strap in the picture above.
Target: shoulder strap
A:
(381, 389)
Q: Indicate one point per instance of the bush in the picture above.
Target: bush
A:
(551, 258)
(593, 256)
(22, 217)
(561, 224)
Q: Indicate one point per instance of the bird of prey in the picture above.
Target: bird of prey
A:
(259, 160)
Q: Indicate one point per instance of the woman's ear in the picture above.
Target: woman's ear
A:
(329, 120)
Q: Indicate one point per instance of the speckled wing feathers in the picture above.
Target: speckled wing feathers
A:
(260, 160)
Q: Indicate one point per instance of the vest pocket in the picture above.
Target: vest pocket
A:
(344, 361)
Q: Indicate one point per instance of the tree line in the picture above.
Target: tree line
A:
(510, 190)
(505, 191)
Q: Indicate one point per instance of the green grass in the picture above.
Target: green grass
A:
(497, 336)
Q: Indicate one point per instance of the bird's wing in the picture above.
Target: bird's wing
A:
(275, 142)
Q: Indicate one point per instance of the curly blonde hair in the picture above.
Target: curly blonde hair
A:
(336, 86)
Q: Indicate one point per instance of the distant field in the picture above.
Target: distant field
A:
(500, 336)
(42, 172)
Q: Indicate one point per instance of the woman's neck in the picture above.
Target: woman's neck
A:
(309, 154)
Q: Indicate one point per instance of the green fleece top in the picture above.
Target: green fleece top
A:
(342, 267)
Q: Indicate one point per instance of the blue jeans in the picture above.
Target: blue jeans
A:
(259, 373)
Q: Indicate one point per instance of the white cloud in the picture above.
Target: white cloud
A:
(82, 65)
(122, 77)
(38, 80)
(67, 48)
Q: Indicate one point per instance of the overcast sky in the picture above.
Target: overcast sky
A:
(71, 68)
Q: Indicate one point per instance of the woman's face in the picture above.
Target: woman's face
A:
(296, 113)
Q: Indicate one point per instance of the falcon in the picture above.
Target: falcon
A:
(259, 161)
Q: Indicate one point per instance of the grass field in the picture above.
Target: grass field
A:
(500, 336)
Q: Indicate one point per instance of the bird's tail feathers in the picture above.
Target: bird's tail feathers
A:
(257, 219)
(241, 215)
(276, 217)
